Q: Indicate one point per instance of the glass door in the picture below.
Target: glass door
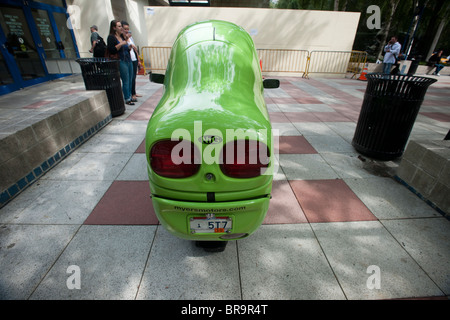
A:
(66, 38)
(6, 77)
(30, 33)
(49, 43)
(20, 44)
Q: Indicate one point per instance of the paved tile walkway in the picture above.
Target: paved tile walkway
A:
(336, 220)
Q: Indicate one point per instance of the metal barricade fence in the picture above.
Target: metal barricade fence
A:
(357, 62)
(278, 61)
(283, 60)
(155, 58)
(330, 62)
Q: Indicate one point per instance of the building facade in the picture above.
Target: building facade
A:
(31, 32)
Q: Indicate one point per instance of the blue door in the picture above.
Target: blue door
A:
(30, 33)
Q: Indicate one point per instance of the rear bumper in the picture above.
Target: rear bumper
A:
(246, 216)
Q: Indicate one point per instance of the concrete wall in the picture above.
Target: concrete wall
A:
(270, 28)
(30, 152)
(425, 168)
(100, 12)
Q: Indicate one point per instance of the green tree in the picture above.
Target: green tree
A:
(397, 18)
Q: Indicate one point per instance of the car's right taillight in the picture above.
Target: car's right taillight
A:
(245, 158)
(174, 159)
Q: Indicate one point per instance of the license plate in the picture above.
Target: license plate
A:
(214, 225)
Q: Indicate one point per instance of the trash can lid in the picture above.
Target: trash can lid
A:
(404, 78)
(95, 60)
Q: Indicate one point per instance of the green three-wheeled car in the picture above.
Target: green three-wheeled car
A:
(209, 142)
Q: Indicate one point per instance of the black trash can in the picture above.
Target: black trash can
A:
(389, 110)
(413, 67)
(103, 74)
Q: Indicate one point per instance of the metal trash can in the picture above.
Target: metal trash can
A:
(103, 74)
(389, 110)
(413, 67)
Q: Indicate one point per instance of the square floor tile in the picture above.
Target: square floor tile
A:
(285, 262)
(388, 199)
(273, 108)
(143, 113)
(126, 127)
(344, 129)
(178, 270)
(314, 129)
(135, 169)
(348, 165)
(111, 260)
(284, 100)
(308, 100)
(285, 129)
(324, 144)
(55, 202)
(428, 243)
(352, 247)
(332, 117)
(141, 148)
(111, 143)
(284, 207)
(292, 108)
(27, 253)
(276, 93)
(329, 201)
(444, 117)
(125, 203)
(306, 167)
(295, 144)
(95, 166)
(301, 117)
(145, 110)
(434, 102)
(278, 117)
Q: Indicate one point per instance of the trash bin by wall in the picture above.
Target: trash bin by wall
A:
(404, 67)
(413, 68)
(103, 74)
(389, 110)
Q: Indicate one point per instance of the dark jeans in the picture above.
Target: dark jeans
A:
(133, 81)
(126, 68)
(439, 67)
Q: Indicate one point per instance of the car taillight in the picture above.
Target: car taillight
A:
(174, 159)
(244, 158)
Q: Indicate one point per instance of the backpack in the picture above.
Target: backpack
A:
(100, 48)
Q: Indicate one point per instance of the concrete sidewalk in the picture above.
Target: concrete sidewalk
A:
(336, 221)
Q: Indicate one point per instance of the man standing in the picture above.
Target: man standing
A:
(392, 50)
(94, 38)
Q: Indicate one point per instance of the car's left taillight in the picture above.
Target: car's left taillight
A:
(174, 159)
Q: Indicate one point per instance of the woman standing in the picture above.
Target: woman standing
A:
(134, 58)
(118, 45)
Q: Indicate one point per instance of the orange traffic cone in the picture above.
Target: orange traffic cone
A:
(141, 71)
(260, 64)
(363, 73)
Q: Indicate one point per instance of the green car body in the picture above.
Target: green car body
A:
(213, 95)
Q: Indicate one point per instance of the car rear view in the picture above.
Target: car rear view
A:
(209, 140)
